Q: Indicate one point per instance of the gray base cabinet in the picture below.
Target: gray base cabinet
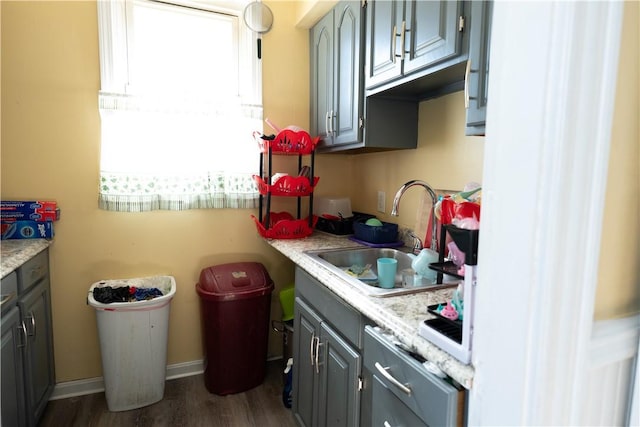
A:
(345, 373)
(327, 361)
(13, 396)
(27, 346)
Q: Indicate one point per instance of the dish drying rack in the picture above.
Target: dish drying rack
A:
(283, 225)
(455, 336)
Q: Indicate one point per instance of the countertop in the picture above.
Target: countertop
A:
(14, 253)
(401, 315)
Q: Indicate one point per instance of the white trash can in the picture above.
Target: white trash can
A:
(133, 343)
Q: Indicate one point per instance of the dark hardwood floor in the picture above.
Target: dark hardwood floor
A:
(186, 403)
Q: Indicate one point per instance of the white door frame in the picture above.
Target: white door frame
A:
(552, 89)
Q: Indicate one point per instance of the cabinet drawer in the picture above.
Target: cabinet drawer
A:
(9, 290)
(33, 271)
(388, 410)
(339, 314)
(433, 400)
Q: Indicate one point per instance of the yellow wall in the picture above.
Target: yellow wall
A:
(445, 158)
(618, 292)
(50, 149)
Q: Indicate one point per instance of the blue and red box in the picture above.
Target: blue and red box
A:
(26, 229)
(29, 210)
(27, 219)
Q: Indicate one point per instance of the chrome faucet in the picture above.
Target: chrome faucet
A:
(396, 205)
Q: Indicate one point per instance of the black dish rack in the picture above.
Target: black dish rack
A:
(467, 242)
(447, 327)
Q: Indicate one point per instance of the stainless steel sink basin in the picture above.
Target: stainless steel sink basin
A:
(341, 260)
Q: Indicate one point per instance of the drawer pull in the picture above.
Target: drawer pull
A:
(383, 371)
(8, 297)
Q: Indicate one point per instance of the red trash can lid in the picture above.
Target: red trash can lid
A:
(234, 281)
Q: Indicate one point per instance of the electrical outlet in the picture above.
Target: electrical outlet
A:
(381, 197)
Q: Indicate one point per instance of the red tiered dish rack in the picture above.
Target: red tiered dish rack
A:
(283, 225)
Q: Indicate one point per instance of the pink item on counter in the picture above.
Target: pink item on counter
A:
(449, 311)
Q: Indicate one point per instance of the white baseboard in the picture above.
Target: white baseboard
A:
(96, 385)
(612, 373)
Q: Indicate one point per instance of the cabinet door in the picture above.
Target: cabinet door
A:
(348, 78)
(432, 33)
(339, 393)
(477, 78)
(322, 76)
(35, 309)
(13, 400)
(306, 334)
(383, 47)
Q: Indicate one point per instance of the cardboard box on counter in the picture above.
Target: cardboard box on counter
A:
(26, 229)
(14, 210)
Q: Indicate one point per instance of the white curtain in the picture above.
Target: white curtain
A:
(180, 98)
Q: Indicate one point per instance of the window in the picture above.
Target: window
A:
(180, 97)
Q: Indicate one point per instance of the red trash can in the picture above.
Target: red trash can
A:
(235, 306)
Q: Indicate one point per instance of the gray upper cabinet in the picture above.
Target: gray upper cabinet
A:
(339, 112)
(322, 76)
(408, 37)
(336, 77)
(384, 20)
(433, 33)
(477, 72)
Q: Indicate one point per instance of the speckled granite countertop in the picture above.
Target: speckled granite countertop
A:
(400, 314)
(14, 253)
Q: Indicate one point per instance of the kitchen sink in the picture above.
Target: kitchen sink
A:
(348, 263)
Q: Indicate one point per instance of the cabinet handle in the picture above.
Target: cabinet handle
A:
(331, 116)
(35, 271)
(383, 371)
(403, 31)
(394, 34)
(467, 72)
(313, 338)
(386, 424)
(25, 338)
(33, 324)
(326, 123)
(317, 353)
